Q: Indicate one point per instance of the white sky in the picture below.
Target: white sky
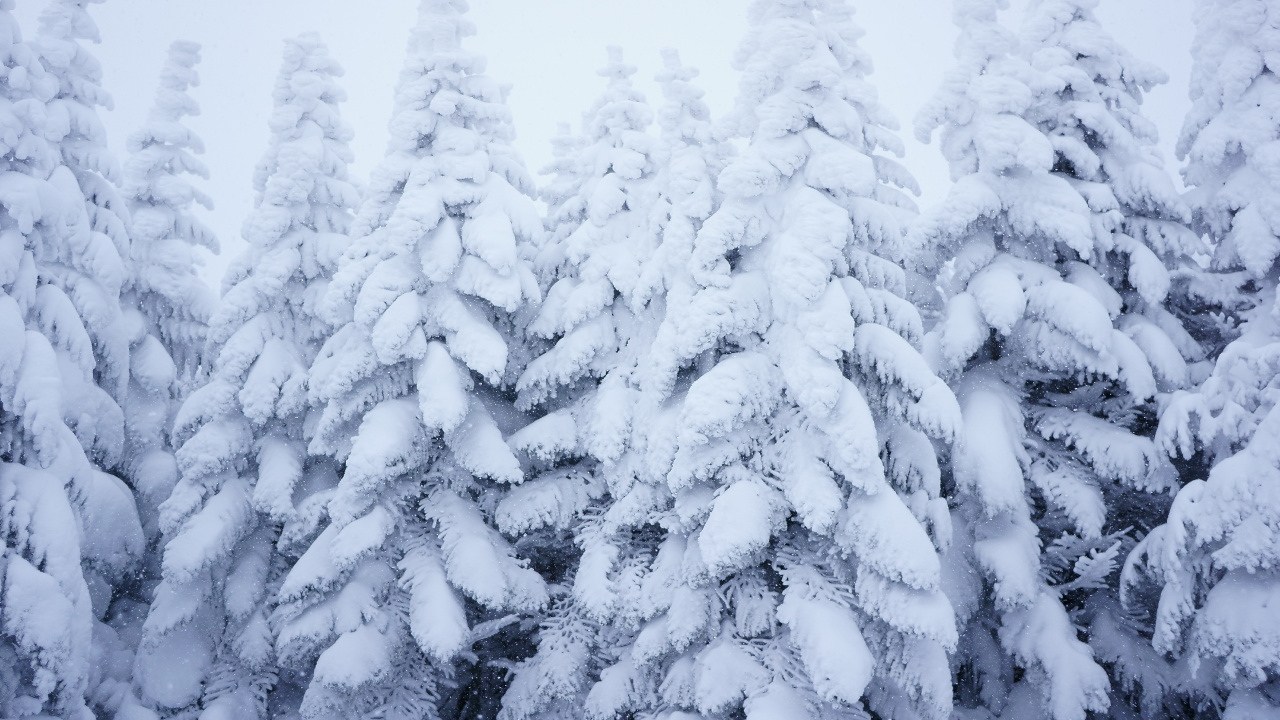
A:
(548, 50)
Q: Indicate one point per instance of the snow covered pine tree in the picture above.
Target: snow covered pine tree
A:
(1212, 572)
(232, 526)
(602, 231)
(1054, 252)
(147, 399)
(1141, 224)
(145, 391)
(387, 605)
(598, 241)
(71, 530)
(175, 301)
(762, 550)
(717, 472)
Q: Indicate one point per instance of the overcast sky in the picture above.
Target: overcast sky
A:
(547, 50)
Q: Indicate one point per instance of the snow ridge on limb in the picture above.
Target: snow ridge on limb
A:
(1056, 251)
(72, 537)
(408, 573)
(176, 303)
(232, 524)
(754, 460)
(1208, 575)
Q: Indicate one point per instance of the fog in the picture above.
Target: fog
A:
(547, 50)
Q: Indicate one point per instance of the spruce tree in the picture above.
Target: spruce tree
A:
(1209, 574)
(566, 179)
(71, 532)
(1106, 147)
(619, 200)
(770, 526)
(590, 262)
(389, 609)
(145, 389)
(598, 204)
(175, 301)
(63, 25)
(146, 394)
(1055, 252)
(232, 525)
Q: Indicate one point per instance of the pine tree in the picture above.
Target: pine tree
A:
(566, 179)
(144, 389)
(398, 605)
(593, 316)
(146, 399)
(685, 193)
(231, 525)
(597, 205)
(618, 201)
(1209, 574)
(63, 24)
(1106, 147)
(767, 560)
(599, 238)
(71, 529)
(175, 301)
(1055, 251)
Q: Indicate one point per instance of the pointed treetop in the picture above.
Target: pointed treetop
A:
(767, 54)
(63, 23)
(304, 83)
(162, 151)
(307, 51)
(1056, 12)
(1045, 28)
(616, 70)
(982, 36)
(684, 100)
(764, 10)
(566, 176)
(673, 69)
(621, 108)
(164, 124)
(178, 75)
(614, 158)
(564, 141)
(794, 52)
(444, 104)
(964, 12)
(68, 20)
(440, 79)
(305, 168)
(987, 79)
(441, 26)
